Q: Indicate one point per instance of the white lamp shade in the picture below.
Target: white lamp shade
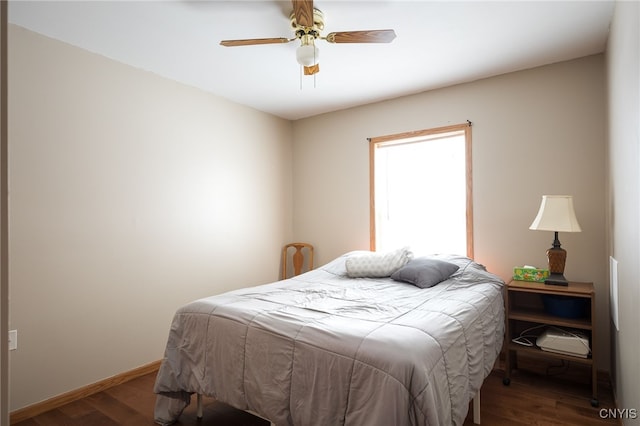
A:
(556, 214)
(307, 55)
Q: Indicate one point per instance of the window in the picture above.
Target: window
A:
(421, 191)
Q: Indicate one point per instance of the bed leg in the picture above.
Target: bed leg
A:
(476, 408)
(199, 406)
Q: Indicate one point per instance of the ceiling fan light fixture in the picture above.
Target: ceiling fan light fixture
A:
(307, 54)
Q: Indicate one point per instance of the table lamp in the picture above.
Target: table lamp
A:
(556, 214)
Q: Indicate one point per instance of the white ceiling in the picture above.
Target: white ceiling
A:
(439, 43)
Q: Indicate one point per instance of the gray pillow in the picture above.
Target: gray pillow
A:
(425, 272)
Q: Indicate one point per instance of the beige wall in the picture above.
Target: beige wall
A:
(4, 221)
(129, 195)
(623, 77)
(535, 132)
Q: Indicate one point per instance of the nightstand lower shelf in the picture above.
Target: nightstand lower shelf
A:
(535, 351)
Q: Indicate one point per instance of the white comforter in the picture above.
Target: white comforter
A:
(324, 349)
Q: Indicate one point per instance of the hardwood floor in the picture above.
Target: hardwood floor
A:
(531, 399)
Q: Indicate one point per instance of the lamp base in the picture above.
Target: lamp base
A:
(556, 279)
(557, 257)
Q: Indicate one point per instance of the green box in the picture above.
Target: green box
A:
(530, 274)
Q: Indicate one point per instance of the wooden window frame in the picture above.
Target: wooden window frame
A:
(396, 138)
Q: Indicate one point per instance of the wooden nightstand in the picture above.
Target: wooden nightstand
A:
(525, 309)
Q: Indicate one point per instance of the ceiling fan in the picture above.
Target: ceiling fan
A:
(307, 23)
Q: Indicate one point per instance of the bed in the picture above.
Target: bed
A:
(324, 348)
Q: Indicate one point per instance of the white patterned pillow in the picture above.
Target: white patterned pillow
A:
(377, 265)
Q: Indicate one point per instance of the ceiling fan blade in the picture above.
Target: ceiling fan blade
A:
(371, 36)
(303, 11)
(312, 69)
(252, 41)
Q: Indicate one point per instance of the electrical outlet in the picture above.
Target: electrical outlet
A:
(13, 340)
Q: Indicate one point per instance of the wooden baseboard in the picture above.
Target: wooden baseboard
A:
(74, 395)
